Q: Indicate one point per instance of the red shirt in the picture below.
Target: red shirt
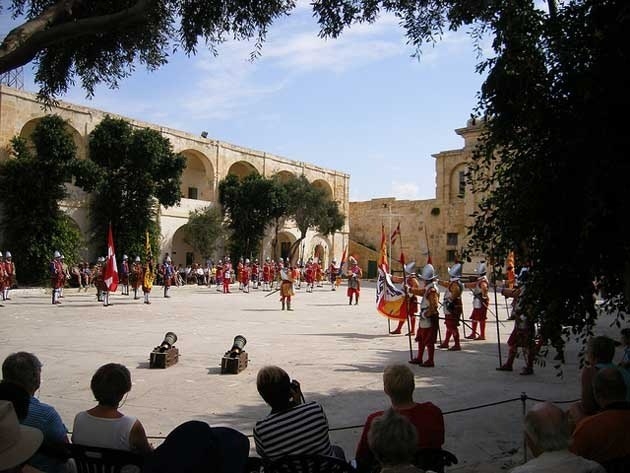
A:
(426, 417)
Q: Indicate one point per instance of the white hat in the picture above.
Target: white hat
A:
(18, 442)
(7, 254)
(137, 260)
(57, 254)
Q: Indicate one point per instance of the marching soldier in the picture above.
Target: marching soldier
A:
(57, 277)
(429, 316)
(354, 280)
(124, 276)
(480, 303)
(135, 278)
(333, 269)
(148, 276)
(168, 275)
(453, 306)
(9, 270)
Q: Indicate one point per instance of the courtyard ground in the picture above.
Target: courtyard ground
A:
(336, 351)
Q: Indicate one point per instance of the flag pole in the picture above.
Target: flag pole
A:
(407, 302)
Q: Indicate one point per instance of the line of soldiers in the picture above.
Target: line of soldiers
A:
(426, 310)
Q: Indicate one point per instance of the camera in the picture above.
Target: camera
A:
(296, 393)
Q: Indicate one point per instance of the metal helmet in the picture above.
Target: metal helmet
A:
(56, 254)
(481, 268)
(428, 272)
(63, 257)
(522, 276)
(168, 259)
(267, 258)
(101, 259)
(125, 257)
(137, 260)
(334, 260)
(455, 272)
(246, 260)
(352, 260)
(7, 254)
(410, 267)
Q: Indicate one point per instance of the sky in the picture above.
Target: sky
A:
(360, 104)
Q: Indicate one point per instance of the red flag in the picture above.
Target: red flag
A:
(402, 258)
(395, 235)
(110, 276)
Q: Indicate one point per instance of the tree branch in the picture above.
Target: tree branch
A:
(23, 43)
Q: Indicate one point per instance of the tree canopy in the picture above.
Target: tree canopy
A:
(137, 171)
(204, 230)
(33, 184)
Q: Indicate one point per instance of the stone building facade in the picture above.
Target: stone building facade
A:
(436, 225)
(208, 161)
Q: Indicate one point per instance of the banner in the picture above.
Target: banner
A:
(390, 300)
(110, 275)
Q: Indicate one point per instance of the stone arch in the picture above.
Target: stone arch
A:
(181, 252)
(242, 169)
(79, 141)
(457, 182)
(198, 176)
(284, 176)
(320, 249)
(325, 186)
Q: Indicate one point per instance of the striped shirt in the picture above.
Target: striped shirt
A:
(45, 418)
(303, 429)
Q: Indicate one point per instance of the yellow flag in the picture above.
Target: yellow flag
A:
(147, 245)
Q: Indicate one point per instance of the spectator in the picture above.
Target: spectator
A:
(17, 396)
(394, 442)
(293, 427)
(195, 447)
(605, 436)
(18, 442)
(25, 370)
(600, 352)
(104, 425)
(398, 384)
(547, 436)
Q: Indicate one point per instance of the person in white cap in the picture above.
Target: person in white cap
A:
(57, 277)
(18, 442)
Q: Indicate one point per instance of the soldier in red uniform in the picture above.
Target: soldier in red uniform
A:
(255, 274)
(135, 277)
(286, 288)
(429, 316)
(3, 278)
(480, 303)
(9, 270)
(245, 275)
(333, 270)
(354, 280)
(267, 274)
(453, 306)
(57, 277)
(124, 276)
(309, 275)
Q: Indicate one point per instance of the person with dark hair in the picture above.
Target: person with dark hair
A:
(17, 395)
(293, 427)
(104, 425)
(394, 442)
(25, 369)
(195, 447)
(605, 436)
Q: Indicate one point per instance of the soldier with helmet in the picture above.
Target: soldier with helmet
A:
(480, 303)
(286, 288)
(135, 277)
(57, 277)
(428, 317)
(309, 275)
(266, 274)
(453, 306)
(333, 270)
(523, 333)
(9, 272)
(167, 274)
(148, 276)
(3, 277)
(354, 280)
(245, 275)
(412, 282)
(124, 276)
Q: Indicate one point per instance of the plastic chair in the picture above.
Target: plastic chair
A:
(308, 464)
(104, 460)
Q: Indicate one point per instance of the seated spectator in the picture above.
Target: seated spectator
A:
(600, 352)
(398, 384)
(195, 447)
(104, 425)
(547, 436)
(17, 396)
(18, 442)
(393, 440)
(25, 369)
(293, 427)
(605, 436)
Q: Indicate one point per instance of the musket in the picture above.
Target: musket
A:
(272, 292)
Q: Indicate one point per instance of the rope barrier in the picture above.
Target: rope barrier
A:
(523, 398)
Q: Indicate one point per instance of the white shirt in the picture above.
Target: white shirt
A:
(561, 461)
(100, 432)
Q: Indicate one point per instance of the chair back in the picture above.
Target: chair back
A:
(105, 460)
(434, 459)
(308, 464)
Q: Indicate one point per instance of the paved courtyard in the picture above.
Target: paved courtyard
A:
(336, 351)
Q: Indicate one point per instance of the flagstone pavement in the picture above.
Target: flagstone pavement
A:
(336, 351)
